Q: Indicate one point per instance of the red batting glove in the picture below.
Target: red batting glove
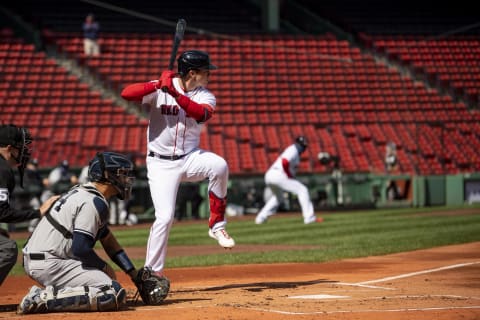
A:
(166, 83)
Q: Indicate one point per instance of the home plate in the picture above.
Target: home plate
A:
(318, 296)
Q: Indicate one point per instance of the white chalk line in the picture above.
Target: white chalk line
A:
(421, 296)
(154, 308)
(348, 298)
(363, 286)
(366, 284)
(362, 311)
(318, 297)
(413, 274)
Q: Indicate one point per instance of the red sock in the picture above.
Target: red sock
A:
(217, 209)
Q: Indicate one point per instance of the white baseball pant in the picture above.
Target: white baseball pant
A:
(279, 182)
(164, 177)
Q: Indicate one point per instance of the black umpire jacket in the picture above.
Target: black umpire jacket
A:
(7, 184)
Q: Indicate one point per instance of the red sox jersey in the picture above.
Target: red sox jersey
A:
(280, 181)
(171, 131)
(290, 154)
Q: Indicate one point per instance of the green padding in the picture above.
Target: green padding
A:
(454, 188)
(435, 190)
(418, 191)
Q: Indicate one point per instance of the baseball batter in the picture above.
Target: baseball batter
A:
(60, 253)
(179, 104)
(280, 177)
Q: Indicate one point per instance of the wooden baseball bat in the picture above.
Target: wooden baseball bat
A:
(179, 32)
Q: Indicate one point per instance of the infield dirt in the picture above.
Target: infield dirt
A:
(440, 283)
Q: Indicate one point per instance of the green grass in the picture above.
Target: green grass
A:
(342, 235)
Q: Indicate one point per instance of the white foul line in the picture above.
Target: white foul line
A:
(318, 297)
(362, 285)
(363, 311)
(412, 274)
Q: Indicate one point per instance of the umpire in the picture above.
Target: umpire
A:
(14, 152)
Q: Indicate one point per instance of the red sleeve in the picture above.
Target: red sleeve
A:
(286, 167)
(199, 112)
(136, 91)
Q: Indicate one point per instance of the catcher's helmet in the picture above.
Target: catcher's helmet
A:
(113, 168)
(194, 60)
(20, 139)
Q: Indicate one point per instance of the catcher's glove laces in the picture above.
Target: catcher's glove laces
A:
(136, 296)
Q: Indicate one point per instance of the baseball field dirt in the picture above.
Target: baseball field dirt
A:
(439, 283)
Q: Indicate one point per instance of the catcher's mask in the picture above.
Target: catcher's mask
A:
(20, 139)
(194, 60)
(301, 143)
(113, 168)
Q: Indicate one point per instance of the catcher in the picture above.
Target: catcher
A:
(60, 252)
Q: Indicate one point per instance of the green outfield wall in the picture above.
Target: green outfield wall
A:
(328, 192)
(359, 191)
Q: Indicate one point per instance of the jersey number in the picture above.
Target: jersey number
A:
(60, 202)
(4, 195)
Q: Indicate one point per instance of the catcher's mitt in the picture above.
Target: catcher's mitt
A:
(152, 288)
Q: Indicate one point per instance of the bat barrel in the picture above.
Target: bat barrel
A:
(177, 39)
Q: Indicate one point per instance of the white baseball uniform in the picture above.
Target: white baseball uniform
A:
(278, 180)
(172, 133)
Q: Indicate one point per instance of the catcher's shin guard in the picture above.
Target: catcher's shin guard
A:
(108, 298)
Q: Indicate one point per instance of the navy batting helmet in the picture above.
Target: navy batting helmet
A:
(194, 60)
(301, 143)
(115, 169)
(20, 139)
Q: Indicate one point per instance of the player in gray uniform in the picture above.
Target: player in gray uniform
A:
(60, 252)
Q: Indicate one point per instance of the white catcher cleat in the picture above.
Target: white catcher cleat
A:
(222, 237)
(32, 302)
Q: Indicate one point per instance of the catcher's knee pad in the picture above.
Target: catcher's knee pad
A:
(67, 299)
(107, 298)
